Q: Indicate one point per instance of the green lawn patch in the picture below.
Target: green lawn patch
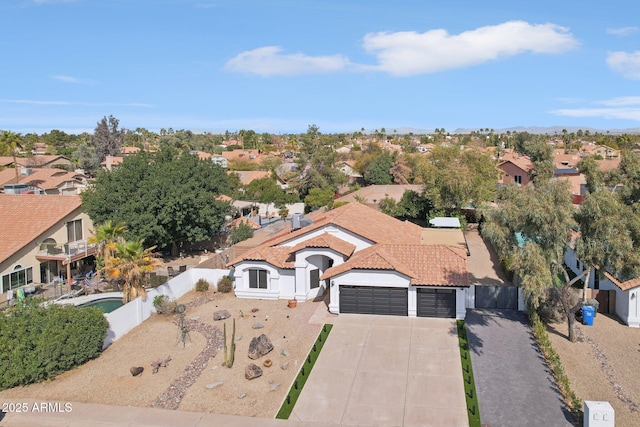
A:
(473, 411)
(292, 397)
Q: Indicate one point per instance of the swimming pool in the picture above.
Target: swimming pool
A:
(107, 305)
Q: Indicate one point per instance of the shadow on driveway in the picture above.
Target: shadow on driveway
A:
(513, 382)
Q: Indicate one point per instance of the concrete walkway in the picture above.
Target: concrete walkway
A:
(513, 383)
(386, 371)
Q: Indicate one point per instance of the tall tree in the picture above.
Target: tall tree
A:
(167, 198)
(541, 216)
(606, 237)
(107, 138)
(12, 143)
(130, 263)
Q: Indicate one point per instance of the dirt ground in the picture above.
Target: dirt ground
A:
(604, 365)
(107, 379)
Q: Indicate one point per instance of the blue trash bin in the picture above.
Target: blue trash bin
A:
(588, 313)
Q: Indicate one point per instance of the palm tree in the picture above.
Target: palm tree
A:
(13, 142)
(106, 236)
(130, 263)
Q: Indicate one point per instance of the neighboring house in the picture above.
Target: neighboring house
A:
(42, 238)
(347, 168)
(248, 176)
(110, 162)
(604, 151)
(48, 181)
(515, 168)
(38, 161)
(627, 300)
(367, 261)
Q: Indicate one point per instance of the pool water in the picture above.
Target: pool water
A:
(107, 305)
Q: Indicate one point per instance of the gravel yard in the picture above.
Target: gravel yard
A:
(194, 379)
(604, 365)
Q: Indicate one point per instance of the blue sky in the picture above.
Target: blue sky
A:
(279, 66)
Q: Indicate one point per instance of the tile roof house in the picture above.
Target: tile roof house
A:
(42, 238)
(38, 161)
(515, 168)
(47, 181)
(627, 299)
(367, 261)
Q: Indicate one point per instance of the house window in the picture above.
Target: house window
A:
(314, 276)
(18, 277)
(517, 179)
(74, 230)
(257, 279)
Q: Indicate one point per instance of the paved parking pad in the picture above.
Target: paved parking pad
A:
(386, 371)
(514, 385)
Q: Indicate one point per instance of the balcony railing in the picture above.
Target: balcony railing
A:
(67, 250)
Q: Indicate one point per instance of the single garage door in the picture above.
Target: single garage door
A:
(374, 300)
(436, 302)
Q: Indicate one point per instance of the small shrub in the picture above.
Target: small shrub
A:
(225, 285)
(164, 304)
(155, 281)
(202, 285)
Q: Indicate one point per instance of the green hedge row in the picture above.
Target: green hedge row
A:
(473, 409)
(37, 343)
(303, 374)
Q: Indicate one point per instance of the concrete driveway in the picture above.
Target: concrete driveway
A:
(386, 371)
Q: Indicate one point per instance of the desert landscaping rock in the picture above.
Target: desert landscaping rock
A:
(215, 385)
(242, 395)
(275, 386)
(285, 366)
(252, 371)
(221, 315)
(255, 310)
(257, 325)
(136, 370)
(284, 352)
(259, 346)
(172, 397)
(107, 380)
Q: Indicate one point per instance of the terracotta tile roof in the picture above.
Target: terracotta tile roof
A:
(6, 161)
(251, 223)
(379, 192)
(626, 285)
(281, 257)
(361, 220)
(247, 176)
(26, 217)
(326, 240)
(46, 179)
(523, 162)
(608, 165)
(129, 150)
(427, 265)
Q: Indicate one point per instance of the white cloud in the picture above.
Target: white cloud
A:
(410, 53)
(622, 31)
(628, 64)
(70, 79)
(269, 61)
(624, 107)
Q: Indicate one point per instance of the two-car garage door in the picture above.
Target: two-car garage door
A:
(394, 301)
(374, 300)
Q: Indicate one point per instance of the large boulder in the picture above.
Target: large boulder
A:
(259, 346)
(252, 371)
(221, 315)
